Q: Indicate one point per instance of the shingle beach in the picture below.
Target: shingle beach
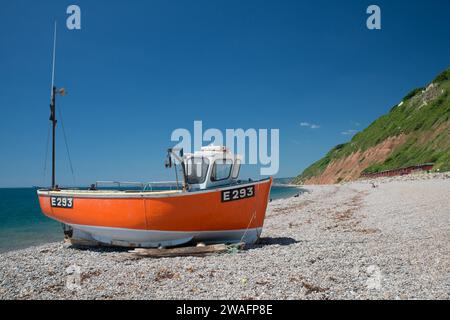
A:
(374, 239)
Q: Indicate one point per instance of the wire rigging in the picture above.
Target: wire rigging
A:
(67, 145)
(46, 154)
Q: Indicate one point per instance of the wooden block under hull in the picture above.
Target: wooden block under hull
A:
(84, 243)
(197, 251)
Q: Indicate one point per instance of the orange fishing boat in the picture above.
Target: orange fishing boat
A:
(211, 205)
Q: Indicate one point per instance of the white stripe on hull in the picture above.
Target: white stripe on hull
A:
(155, 239)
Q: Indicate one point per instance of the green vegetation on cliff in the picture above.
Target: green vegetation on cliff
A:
(422, 117)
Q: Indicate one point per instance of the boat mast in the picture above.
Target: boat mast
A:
(53, 112)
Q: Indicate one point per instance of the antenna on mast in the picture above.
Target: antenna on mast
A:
(54, 92)
(54, 58)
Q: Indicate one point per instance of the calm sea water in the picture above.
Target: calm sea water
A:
(23, 225)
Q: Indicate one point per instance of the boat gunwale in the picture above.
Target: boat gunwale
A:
(113, 194)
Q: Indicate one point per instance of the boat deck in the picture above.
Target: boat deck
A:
(103, 193)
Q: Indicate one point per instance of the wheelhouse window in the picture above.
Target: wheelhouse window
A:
(196, 170)
(236, 169)
(221, 169)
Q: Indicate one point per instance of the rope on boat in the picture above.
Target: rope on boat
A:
(248, 227)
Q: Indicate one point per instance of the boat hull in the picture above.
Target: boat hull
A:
(154, 219)
(153, 239)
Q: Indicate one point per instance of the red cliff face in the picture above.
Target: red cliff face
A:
(350, 168)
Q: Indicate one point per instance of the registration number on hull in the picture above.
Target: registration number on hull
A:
(238, 194)
(61, 202)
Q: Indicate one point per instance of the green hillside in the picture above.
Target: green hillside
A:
(423, 117)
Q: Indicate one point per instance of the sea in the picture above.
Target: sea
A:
(23, 225)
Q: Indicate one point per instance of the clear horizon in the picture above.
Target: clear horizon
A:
(136, 72)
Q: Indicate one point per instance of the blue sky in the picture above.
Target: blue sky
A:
(137, 70)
